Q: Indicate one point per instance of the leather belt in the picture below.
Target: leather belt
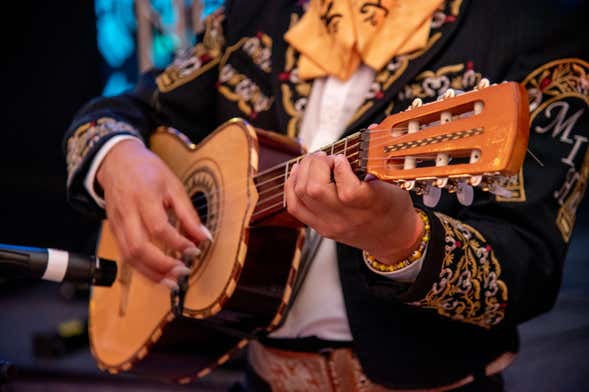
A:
(332, 370)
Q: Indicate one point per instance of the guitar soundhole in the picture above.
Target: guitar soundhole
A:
(200, 203)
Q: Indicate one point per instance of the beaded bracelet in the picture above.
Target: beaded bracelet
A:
(415, 255)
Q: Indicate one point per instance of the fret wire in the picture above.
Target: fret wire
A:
(284, 181)
(273, 171)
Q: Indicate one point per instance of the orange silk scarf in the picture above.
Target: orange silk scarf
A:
(335, 36)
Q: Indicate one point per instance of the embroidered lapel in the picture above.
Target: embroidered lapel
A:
(292, 93)
(402, 69)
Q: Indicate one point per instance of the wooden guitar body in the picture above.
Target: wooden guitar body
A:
(241, 284)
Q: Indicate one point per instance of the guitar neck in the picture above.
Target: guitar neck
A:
(270, 182)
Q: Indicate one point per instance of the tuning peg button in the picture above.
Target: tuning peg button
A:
(464, 193)
(417, 102)
(431, 195)
(500, 191)
(408, 185)
(476, 180)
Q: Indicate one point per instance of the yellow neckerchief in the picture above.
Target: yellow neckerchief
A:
(335, 36)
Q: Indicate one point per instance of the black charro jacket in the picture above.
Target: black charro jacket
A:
(489, 266)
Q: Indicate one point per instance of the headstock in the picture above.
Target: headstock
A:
(456, 142)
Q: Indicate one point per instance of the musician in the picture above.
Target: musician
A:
(442, 318)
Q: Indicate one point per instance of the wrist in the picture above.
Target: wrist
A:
(388, 263)
(404, 241)
(119, 151)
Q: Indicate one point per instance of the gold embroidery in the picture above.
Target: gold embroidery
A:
(515, 184)
(87, 135)
(295, 92)
(204, 56)
(239, 88)
(554, 79)
(432, 84)
(456, 7)
(469, 287)
(259, 48)
(548, 87)
(567, 214)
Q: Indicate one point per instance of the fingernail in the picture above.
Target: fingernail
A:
(180, 270)
(207, 232)
(169, 283)
(191, 252)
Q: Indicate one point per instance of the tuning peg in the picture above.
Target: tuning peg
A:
(408, 185)
(417, 102)
(500, 191)
(464, 193)
(449, 93)
(491, 185)
(431, 195)
(483, 83)
(475, 180)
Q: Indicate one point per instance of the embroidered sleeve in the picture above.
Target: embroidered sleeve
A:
(500, 260)
(86, 137)
(469, 287)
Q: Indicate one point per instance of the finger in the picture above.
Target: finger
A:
(313, 185)
(294, 205)
(350, 190)
(117, 229)
(156, 221)
(141, 252)
(186, 214)
(373, 125)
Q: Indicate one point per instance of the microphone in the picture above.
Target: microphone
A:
(56, 265)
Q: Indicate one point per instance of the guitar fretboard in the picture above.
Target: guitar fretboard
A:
(270, 182)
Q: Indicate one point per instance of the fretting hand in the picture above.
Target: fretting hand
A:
(374, 216)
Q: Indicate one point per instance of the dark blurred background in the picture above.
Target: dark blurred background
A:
(51, 66)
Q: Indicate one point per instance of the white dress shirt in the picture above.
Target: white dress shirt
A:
(319, 308)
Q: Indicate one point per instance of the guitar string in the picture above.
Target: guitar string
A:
(281, 177)
(335, 146)
(260, 202)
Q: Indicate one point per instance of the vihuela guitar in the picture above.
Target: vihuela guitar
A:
(241, 284)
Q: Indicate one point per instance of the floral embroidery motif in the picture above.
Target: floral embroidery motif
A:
(559, 94)
(204, 56)
(566, 76)
(259, 48)
(86, 136)
(432, 84)
(241, 89)
(295, 92)
(469, 288)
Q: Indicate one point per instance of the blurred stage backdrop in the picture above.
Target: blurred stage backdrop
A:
(59, 55)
